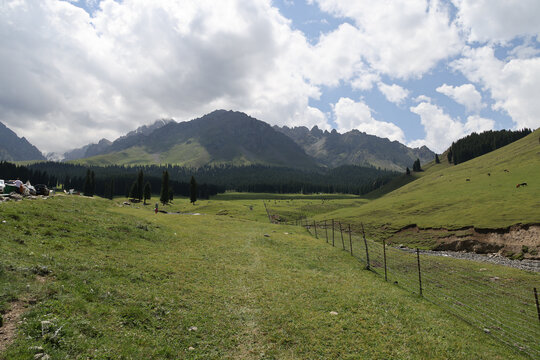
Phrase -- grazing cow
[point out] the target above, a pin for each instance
(522, 184)
(506, 171)
(489, 174)
(467, 179)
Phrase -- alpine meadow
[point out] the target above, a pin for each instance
(272, 179)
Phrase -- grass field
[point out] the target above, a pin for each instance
(481, 192)
(114, 282)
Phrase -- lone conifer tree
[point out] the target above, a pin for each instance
(110, 193)
(408, 172)
(437, 161)
(416, 165)
(133, 192)
(89, 183)
(140, 178)
(164, 195)
(192, 190)
(86, 187)
(147, 192)
(92, 183)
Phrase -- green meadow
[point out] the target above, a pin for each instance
(99, 280)
(481, 192)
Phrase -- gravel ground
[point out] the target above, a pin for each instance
(528, 265)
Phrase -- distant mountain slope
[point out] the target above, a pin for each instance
(14, 148)
(147, 129)
(103, 145)
(87, 150)
(355, 148)
(480, 193)
(219, 137)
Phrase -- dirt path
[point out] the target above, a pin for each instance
(9, 328)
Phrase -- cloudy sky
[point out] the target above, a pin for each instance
(423, 72)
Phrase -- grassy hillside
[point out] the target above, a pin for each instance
(481, 192)
(99, 280)
(132, 156)
(219, 137)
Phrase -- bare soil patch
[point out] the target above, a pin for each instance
(9, 327)
(517, 241)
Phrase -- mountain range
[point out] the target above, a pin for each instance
(230, 137)
(333, 149)
(14, 148)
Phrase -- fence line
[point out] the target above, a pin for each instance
(507, 311)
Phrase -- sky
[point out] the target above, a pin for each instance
(422, 72)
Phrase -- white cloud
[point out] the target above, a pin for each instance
(441, 129)
(393, 93)
(466, 95)
(333, 58)
(66, 72)
(512, 84)
(401, 38)
(478, 124)
(498, 20)
(422, 98)
(351, 115)
(364, 80)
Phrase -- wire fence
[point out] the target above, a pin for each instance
(503, 307)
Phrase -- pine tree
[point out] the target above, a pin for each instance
(140, 178)
(89, 183)
(147, 192)
(164, 195)
(437, 161)
(133, 193)
(110, 192)
(407, 171)
(416, 165)
(450, 154)
(192, 190)
(92, 183)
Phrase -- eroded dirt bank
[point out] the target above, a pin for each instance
(516, 242)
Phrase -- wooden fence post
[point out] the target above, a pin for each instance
(384, 254)
(315, 227)
(350, 239)
(419, 272)
(268, 213)
(326, 231)
(341, 232)
(332, 232)
(365, 244)
(537, 304)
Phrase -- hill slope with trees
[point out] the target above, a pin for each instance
(216, 138)
(480, 193)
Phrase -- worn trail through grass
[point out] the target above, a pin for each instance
(124, 283)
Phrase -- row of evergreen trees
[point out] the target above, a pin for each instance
(10, 171)
(475, 145)
(119, 180)
(143, 193)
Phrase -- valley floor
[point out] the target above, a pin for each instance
(100, 280)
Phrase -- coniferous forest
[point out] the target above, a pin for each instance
(475, 145)
(118, 180)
